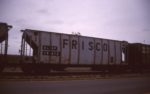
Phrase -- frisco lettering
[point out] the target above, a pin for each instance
(91, 45)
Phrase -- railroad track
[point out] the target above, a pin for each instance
(49, 74)
(52, 75)
(65, 76)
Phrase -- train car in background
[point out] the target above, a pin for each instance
(139, 56)
(4, 28)
(56, 51)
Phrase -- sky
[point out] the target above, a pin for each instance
(127, 20)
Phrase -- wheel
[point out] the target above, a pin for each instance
(27, 69)
(60, 68)
(39, 69)
(1, 68)
(95, 69)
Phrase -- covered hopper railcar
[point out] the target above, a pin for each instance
(56, 51)
(4, 28)
(139, 56)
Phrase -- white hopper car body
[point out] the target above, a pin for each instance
(68, 49)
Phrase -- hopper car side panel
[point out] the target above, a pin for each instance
(105, 53)
(98, 51)
(86, 50)
(55, 44)
(65, 49)
(45, 43)
(74, 47)
(112, 56)
(118, 52)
